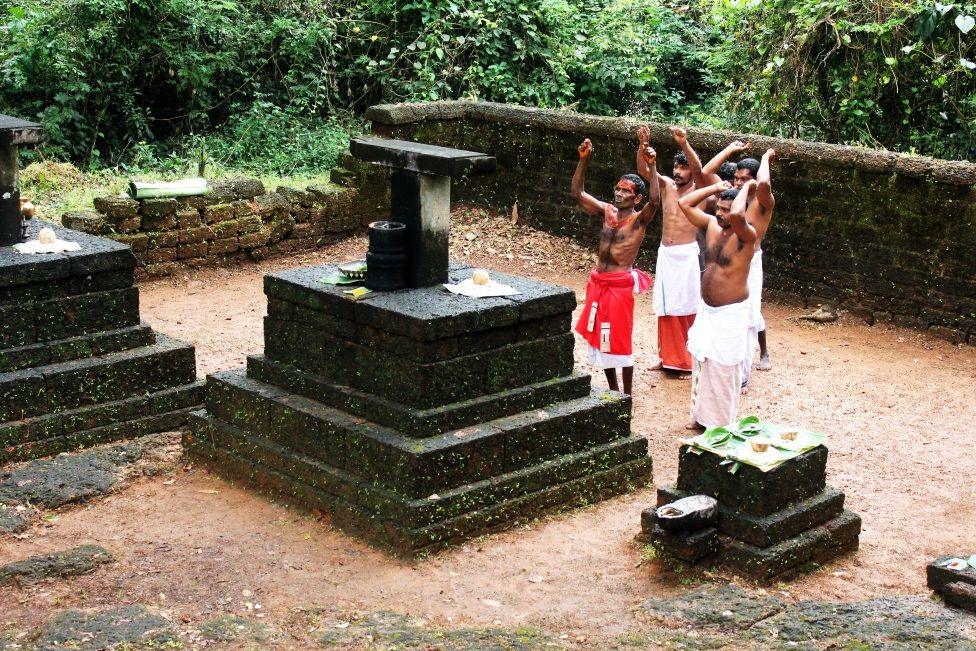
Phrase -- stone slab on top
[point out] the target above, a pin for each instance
(97, 254)
(16, 132)
(421, 158)
(422, 313)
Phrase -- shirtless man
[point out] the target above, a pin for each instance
(677, 280)
(745, 170)
(607, 320)
(717, 340)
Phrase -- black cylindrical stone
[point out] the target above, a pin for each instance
(386, 259)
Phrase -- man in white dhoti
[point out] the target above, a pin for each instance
(717, 341)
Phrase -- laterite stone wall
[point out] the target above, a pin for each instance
(235, 220)
(887, 236)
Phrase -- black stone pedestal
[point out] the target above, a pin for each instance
(956, 587)
(771, 524)
(77, 367)
(418, 418)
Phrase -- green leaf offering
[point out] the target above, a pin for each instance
(717, 436)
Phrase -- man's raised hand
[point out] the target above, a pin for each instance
(643, 134)
(770, 154)
(721, 186)
(680, 135)
(737, 146)
(648, 154)
(585, 149)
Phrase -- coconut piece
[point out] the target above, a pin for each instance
(47, 236)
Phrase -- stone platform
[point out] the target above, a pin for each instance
(77, 367)
(956, 587)
(418, 418)
(771, 524)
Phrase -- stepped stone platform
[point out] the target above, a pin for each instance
(77, 367)
(771, 524)
(956, 587)
(418, 418)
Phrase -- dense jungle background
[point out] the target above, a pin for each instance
(276, 86)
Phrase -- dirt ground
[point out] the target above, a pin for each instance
(897, 405)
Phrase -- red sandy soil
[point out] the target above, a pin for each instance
(898, 407)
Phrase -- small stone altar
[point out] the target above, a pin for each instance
(77, 367)
(418, 418)
(956, 586)
(770, 525)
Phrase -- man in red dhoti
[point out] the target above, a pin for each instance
(607, 321)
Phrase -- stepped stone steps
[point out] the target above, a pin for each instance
(100, 281)
(767, 530)
(159, 411)
(22, 324)
(416, 467)
(312, 323)
(413, 422)
(37, 430)
(63, 350)
(420, 385)
(409, 525)
(68, 385)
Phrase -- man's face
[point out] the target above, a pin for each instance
(742, 176)
(625, 194)
(723, 213)
(681, 174)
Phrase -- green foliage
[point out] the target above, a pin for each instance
(890, 73)
(107, 76)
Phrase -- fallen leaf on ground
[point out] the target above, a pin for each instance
(491, 602)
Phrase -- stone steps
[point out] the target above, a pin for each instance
(63, 350)
(416, 467)
(417, 423)
(406, 525)
(64, 386)
(142, 414)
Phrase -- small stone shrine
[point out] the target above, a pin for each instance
(770, 524)
(77, 367)
(418, 417)
(954, 579)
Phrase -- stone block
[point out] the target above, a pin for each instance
(158, 207)
(252, 240)
(194, 235)
(750, 490)
(159, 222)
(961, 595)
(99, 343)
(222, 246)
(775, 528)
(217, 213)
(187, 219)
(223, 230)
(939, 577)
(117, 208)
(194, 250)
(249, 224)
(86, 313)
(127, 225)
(820, 544)
(156, 256)
(85, 221)
(245, 188)
(195, 203)
(690, 548)
(138, 242)
(163, 239)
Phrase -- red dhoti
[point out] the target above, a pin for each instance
(672, 341)
(607, 320)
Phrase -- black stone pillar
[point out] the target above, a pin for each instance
(420, 197)
(13, 132)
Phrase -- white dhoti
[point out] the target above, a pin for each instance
(677, 280)
(756, 321)
(718, 344)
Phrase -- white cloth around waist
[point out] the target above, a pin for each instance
(677, 280)
(755, 283)
(719, 333)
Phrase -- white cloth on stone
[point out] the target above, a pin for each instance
(677, 280)
(57, 246)
(467, 287)
(719, 333)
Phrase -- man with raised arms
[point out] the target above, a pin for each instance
(607, 319)
(717, 340)
(745, 170)
(677, 280)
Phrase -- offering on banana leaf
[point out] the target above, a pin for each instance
(756, 443)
